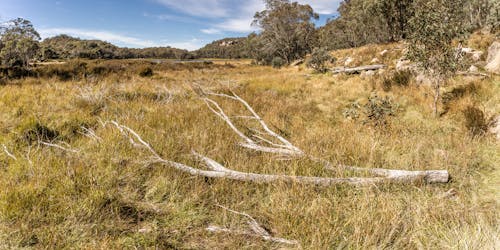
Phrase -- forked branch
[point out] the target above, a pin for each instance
(285, 148)
(216, 170)
(255, 230)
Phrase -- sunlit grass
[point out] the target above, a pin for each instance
(110, 196)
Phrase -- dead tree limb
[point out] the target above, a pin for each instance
(358, 70)
(284, 147)
(9, 154)
(256, 230)
(257, 142)
(219, 171)
(58, 147)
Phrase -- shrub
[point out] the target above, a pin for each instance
(34, 131)
(400, 78)
(378, 109)
(146, 72)
(320, 57)
(278, 62)
(475, 121)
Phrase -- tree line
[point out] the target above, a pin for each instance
(287, 32)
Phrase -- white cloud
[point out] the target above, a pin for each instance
(236, 15)
(204, 8)
(190, 45)
(211, 31)
(324, 7)
(118, 39)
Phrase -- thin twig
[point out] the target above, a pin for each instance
(9, 154)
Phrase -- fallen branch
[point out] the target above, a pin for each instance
(58, 147)
(219, 171)
(358, 70)
(258, 142)
(9, 154)
(256, 230)
(284, 147)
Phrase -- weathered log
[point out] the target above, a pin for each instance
(358, 70)
(287, 149)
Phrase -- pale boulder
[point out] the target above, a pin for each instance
(493, 61)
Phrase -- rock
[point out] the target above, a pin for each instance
(493, 61)
(383, 53)
(367, 74)
(348, 61)
(476, 56)
(473, 69)
(402, 64)
(467, 50)
(423, 79)
(375, 60)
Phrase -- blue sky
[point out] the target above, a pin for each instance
(187, 24)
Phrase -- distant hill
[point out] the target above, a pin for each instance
(67, 47)
(230, 48)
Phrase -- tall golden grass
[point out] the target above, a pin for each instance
(110, 196)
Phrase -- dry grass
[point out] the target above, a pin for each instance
(109, 196)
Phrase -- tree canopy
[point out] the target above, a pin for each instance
(287, 30)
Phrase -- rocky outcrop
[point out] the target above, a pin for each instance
(493, 61)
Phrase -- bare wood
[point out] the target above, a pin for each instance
(288, 149)
(259, 143)
(9, 154)
(256, 230)
(358, 70)
(58, 147)
(218, 171)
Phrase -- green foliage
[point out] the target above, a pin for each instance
(475, 121)
(67, 47)
(378, 110)
(19, 43)
(320, 57)
(432, 33)
(287, 30)
(277, 62)
(229, 48)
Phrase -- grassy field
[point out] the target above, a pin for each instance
(108, 195)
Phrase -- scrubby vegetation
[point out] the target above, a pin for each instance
(100, 151)
(101, 192)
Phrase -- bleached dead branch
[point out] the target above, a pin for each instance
(90, 133)
(257, 141)
(58, 147)
(284, 147)
(219, 171)
(256, 230)
(9, 154)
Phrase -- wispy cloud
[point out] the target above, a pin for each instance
(119, 39)
(211, 31)
(236, 15)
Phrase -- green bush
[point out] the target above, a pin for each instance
(378, 110)
(277, 62)
(320, 57)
